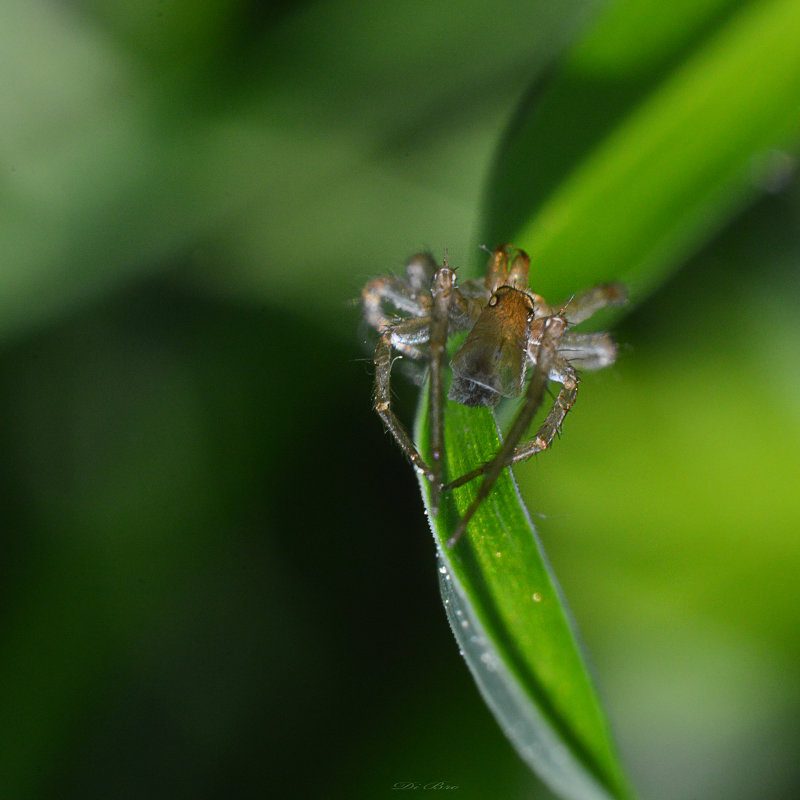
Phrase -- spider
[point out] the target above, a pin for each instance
(513, 335)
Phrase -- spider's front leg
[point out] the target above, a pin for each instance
(435, 306)
(405, 336)
(410, 295)
(443, 291)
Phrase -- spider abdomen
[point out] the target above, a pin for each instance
(490, 364)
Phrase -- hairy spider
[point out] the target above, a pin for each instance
(514, 335)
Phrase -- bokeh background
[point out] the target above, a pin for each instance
(217, 578)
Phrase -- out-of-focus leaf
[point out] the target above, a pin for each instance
(694, 111)
(134, 140)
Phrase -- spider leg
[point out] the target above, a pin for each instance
(554, 328)
(554, 419)
(404, 336)
(443, 290)
(588, 351)
(582, 306)
(411, 296)
(564, 374)
(438, 307)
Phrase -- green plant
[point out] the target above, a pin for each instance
(696, 116)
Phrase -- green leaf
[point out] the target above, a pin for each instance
(512, 623)
(650, 137)
(660, 125)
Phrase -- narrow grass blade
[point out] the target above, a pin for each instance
(513, 625)
(648, 138)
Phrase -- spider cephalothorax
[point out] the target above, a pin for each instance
(514, 336)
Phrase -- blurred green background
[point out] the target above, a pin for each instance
(217, 578)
